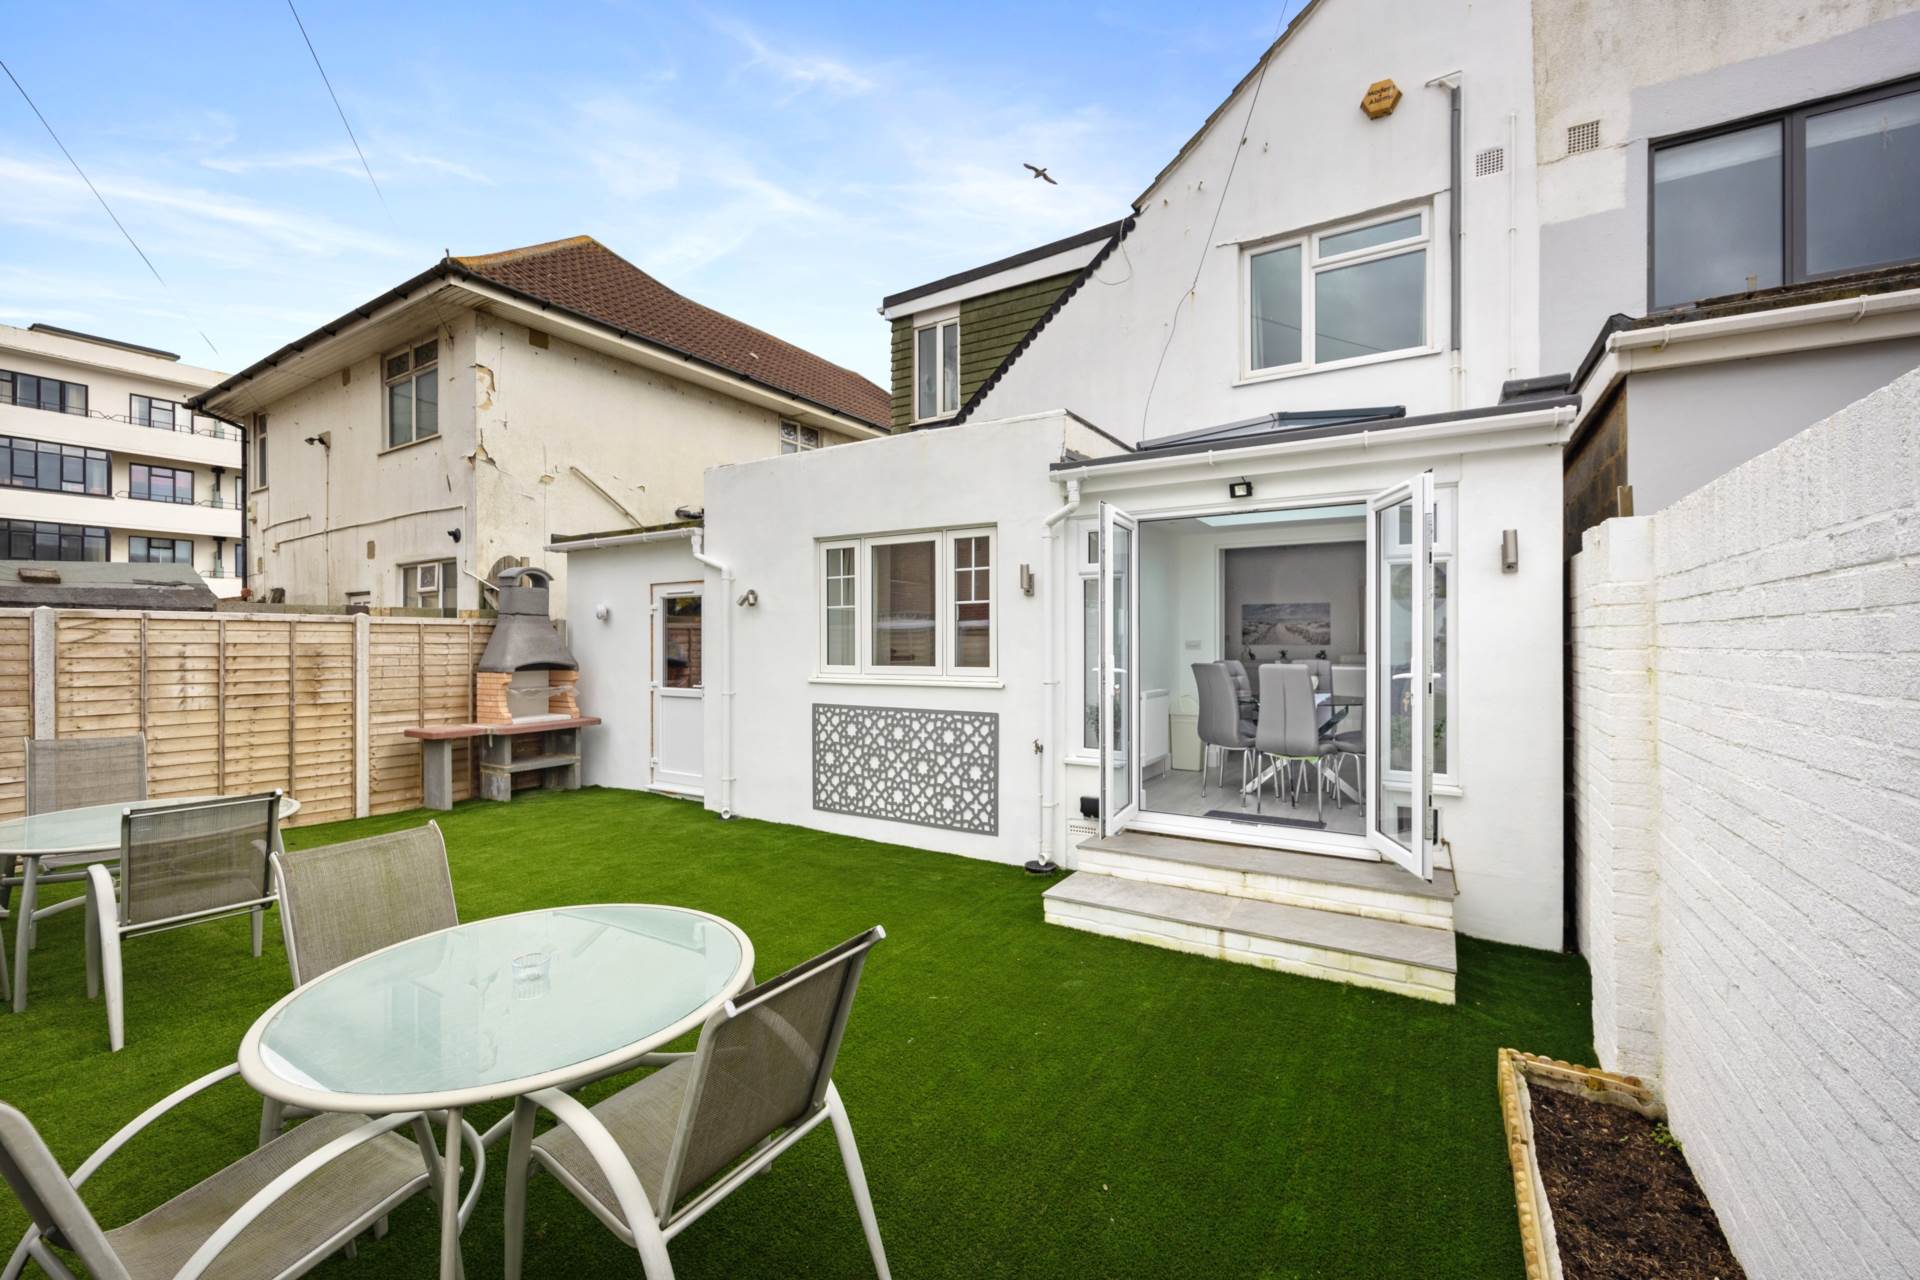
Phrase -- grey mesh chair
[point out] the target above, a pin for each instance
(180, 864)
(1289, 729)
(1220, 724)
(654, 1157)
(280, 1211)
(72, 773)
(339, 902)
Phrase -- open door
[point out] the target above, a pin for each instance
(1401, 823)
(1119, 676)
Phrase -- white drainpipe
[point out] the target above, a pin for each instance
(726, 670)
(1049, 783)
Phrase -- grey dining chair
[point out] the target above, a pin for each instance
(180, 864)
(1220, 723)
(72, 773)
(651, 1159)
(279, 1211)
(1289, 729)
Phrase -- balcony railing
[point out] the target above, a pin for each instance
(194, 424)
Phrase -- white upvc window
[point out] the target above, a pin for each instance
(910, 605)
(1339, 295)
(428, 586)
(936, 365)
(413, 393)
(795, 438)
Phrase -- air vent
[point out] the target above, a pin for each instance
(1492, 160)
(1583, 137)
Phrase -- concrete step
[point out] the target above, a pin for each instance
(1407, 959)
(1350, 886)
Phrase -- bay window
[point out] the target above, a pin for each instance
(1346, 293)
(916, 604)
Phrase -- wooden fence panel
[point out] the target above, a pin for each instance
(321, 718)
(16, 711)
(419, 671)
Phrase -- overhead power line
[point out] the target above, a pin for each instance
(96, 194)
(337, 107)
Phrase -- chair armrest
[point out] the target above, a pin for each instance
(635, 1207)
(106, 1149)
(264, 1198)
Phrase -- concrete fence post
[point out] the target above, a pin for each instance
(362, 758)
(44, 662)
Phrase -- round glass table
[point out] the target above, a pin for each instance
(72, 838)
(491, 1010)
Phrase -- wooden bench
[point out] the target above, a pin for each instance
(557, 760)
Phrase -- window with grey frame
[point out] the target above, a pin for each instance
(163, 415)
(159, 484)
(32, 391)
(45, 540)
(54, 468)
(159, 550)
(1822, 190)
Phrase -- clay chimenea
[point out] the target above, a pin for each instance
(526, 673)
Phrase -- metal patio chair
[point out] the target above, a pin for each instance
(279, 1211)
(339, 902)
(180, 864)
(653, 1158)
(73, 773)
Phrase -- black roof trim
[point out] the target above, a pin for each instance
(447, 269)
(1326, 432)
(1292, 418)
(1547, 384)
(1046, 317)
(1003, 264)
(40, 327)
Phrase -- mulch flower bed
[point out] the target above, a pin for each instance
(1625, 1204)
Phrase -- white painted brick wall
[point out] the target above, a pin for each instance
(1750, 871)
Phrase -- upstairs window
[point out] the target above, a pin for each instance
(259, 480)
(936, 368)
(55, 468)
(413, 394)
(41, 540)
(795, 438)
(30, 391)
(1818, 191)
(1347, 293)
(159, 550)
(159, 484)
(161, 414)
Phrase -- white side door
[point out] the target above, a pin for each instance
(1119, 674)
(678, 717)
(1400, 533)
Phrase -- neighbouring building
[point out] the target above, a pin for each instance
(403, 452)
(95, 584)
(101, 458)
(951, 334)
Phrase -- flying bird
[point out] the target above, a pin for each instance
(1042, 174)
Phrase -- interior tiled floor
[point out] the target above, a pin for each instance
(1178, 791)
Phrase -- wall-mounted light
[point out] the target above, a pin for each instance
(1026, 579)
(749, 599)
(602, 612)
(1510, 551)
(454, 534)
(324, 440)
(1239, 489)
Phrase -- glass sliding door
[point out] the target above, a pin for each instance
(1119, 676)
(1400, 534)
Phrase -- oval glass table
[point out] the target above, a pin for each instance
(70, 838)
(488, 1011)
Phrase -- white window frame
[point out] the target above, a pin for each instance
(1086, 569)
(942, 670)
(411, 379)
(938, 321)
(794, 437)
(258, 480)
(446, 579)
(1312, 264)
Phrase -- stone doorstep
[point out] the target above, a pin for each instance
(1327, 966)
(1340, 943)
(1431, 913)
(1320, 876)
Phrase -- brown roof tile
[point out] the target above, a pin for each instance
(583, 276)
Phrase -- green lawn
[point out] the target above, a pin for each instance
(1030, 1101)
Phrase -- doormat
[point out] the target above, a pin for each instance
(1232, 815)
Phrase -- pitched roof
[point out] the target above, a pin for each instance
(582, 275)
(1104, 231)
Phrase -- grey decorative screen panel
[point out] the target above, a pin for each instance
(932, 768)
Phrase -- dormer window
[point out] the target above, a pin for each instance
(936, 366)
(413, 393)
(1344, 294)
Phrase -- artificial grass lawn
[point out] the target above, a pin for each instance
(1029, 1101)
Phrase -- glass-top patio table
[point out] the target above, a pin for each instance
(72, 838)
(491, 1010)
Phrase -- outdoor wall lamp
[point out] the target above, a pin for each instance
(602, 612)
(1510, 551)
(1026, 579)
(750, 599)
(1240, 489)
(324, 440)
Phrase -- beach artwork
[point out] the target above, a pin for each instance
(1286, 625)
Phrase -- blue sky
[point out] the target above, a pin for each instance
(788, 165)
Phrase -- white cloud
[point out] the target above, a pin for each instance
(800, 71)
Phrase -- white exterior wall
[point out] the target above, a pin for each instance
(1312, 157)
(616, 653)
(1647, 69)
(113, 376)
(1783, 808)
